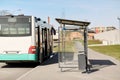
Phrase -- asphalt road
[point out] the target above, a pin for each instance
(14, 71)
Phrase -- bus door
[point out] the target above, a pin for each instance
(38, 44)
(48, 42)
(44, 42)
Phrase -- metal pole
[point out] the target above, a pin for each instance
(119, 29)
(86, 47)
(59, 49)
(63, 41)
(59, 46)
(63, 37)
(119, 22)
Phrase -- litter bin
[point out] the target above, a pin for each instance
(81, 62)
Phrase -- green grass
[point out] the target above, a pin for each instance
(90, 42)
(69, 47)
(112, 50)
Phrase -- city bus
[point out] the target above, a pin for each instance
(24, 39)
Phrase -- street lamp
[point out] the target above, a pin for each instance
(119, 22)
(119, 29)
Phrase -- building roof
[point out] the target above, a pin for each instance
(72, 22)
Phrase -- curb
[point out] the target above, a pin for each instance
(24, 75)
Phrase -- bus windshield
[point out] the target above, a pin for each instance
(15, 28)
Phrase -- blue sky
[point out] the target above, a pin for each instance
(98, 12)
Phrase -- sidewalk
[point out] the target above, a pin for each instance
(104, 68)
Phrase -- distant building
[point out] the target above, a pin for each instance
(91, 34)
(109, 37)
(102, 29)
(80, 35)
(75, 35)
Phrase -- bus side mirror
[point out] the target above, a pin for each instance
(38, 19)
(44, 22)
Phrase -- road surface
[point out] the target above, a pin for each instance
(12, 72)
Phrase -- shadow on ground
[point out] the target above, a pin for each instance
(52, 60)
(99, 64)
(20, 65)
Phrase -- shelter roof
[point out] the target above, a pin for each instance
(72, 22)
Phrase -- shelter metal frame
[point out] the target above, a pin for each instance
(83, 25)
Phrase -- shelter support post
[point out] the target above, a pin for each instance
(86, 47)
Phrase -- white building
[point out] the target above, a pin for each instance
(109, 37)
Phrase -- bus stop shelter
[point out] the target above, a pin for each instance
(81, 26)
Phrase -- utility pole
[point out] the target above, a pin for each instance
(63, 13)
(119, 22)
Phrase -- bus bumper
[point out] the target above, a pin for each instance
(17, 57)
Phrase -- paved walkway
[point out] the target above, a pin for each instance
(104, 68)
